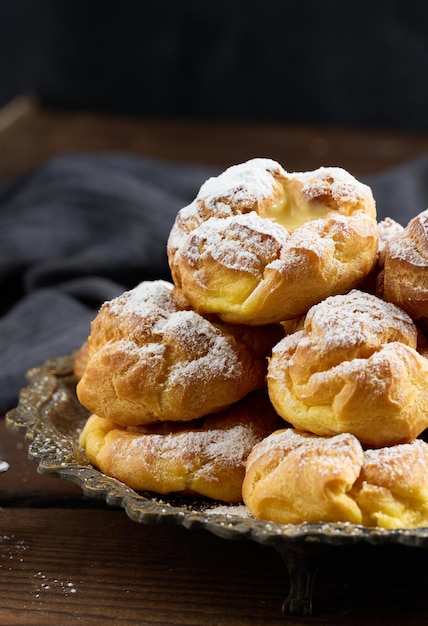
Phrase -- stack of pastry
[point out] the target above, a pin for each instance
(177, 399)
(280, 367)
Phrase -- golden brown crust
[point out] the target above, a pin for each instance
(353, 368)
(151, 360)
(260, 245)
(205, 458)
(392, 489)
(388, 230)
(405, 269)
(80, 360)
(294, 477)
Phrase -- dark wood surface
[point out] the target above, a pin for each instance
(67, 559)
(29, 136)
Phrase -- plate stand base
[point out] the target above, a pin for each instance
(302, 562)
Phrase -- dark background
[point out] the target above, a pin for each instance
(359, 63)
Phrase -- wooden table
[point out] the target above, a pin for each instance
(29, 136)
(68, 559)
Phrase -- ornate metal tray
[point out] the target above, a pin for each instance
(50, 416)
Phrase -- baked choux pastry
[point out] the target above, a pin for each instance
(392, 489)
(353, 368)
(260, 245)
(294, 477)
(151, 360)
(404, 279)
(205, 458)
(388, 229)
(80, 360)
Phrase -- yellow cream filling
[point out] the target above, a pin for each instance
(291, 210)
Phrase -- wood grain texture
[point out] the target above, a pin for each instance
(96, 566)
(35, 135)
(22, 485)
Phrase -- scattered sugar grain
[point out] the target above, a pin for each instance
(237, 510)
(45, 584)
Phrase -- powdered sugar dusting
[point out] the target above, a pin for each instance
(237, 510)
(406, 249)
(208, 450)
(283, 442)
(202, 349)
(145, 297)
(339, 183)
(396, 462)
(167, 362)
(242, 242)
(232, 446)
(211, 351)
(388, 229)
(411, 244)
(357, 318)
(242, 184)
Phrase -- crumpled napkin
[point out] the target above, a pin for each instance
(80, 229)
